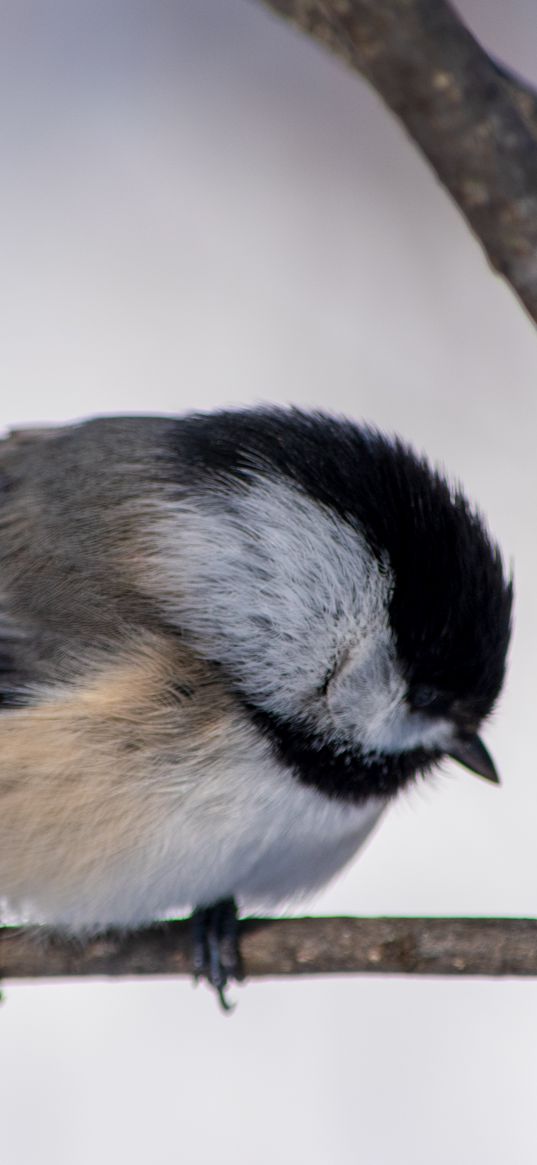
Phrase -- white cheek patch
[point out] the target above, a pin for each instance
(273, 585)
(365, 694)
(282, 592)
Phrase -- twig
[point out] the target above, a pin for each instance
(521, 93)
(292, 946)
(474, 121)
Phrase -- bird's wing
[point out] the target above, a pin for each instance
(15, 661)
(68, 500)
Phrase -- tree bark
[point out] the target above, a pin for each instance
(292, 946)
(473, 120)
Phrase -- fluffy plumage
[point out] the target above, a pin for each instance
(225, 642)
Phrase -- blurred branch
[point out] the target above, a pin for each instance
(474, 120)
(521, 93)
(291, 946)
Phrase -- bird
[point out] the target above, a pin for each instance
(227, 641)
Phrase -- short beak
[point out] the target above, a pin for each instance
(471, 752)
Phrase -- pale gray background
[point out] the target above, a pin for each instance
(199, 207)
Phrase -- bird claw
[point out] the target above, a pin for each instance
(215, 947)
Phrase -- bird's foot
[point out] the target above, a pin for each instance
(215, 947)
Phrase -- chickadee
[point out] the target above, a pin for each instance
(226, 642)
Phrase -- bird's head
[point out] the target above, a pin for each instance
(353, 598)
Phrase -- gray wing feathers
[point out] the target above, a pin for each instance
(68, 519)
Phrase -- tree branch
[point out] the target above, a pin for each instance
(521, 93)
(292, 946)
(473, 120)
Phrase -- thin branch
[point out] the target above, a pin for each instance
(473, 120)
(292, 946)
(521, 93)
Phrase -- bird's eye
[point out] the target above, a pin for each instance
(423, 698)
